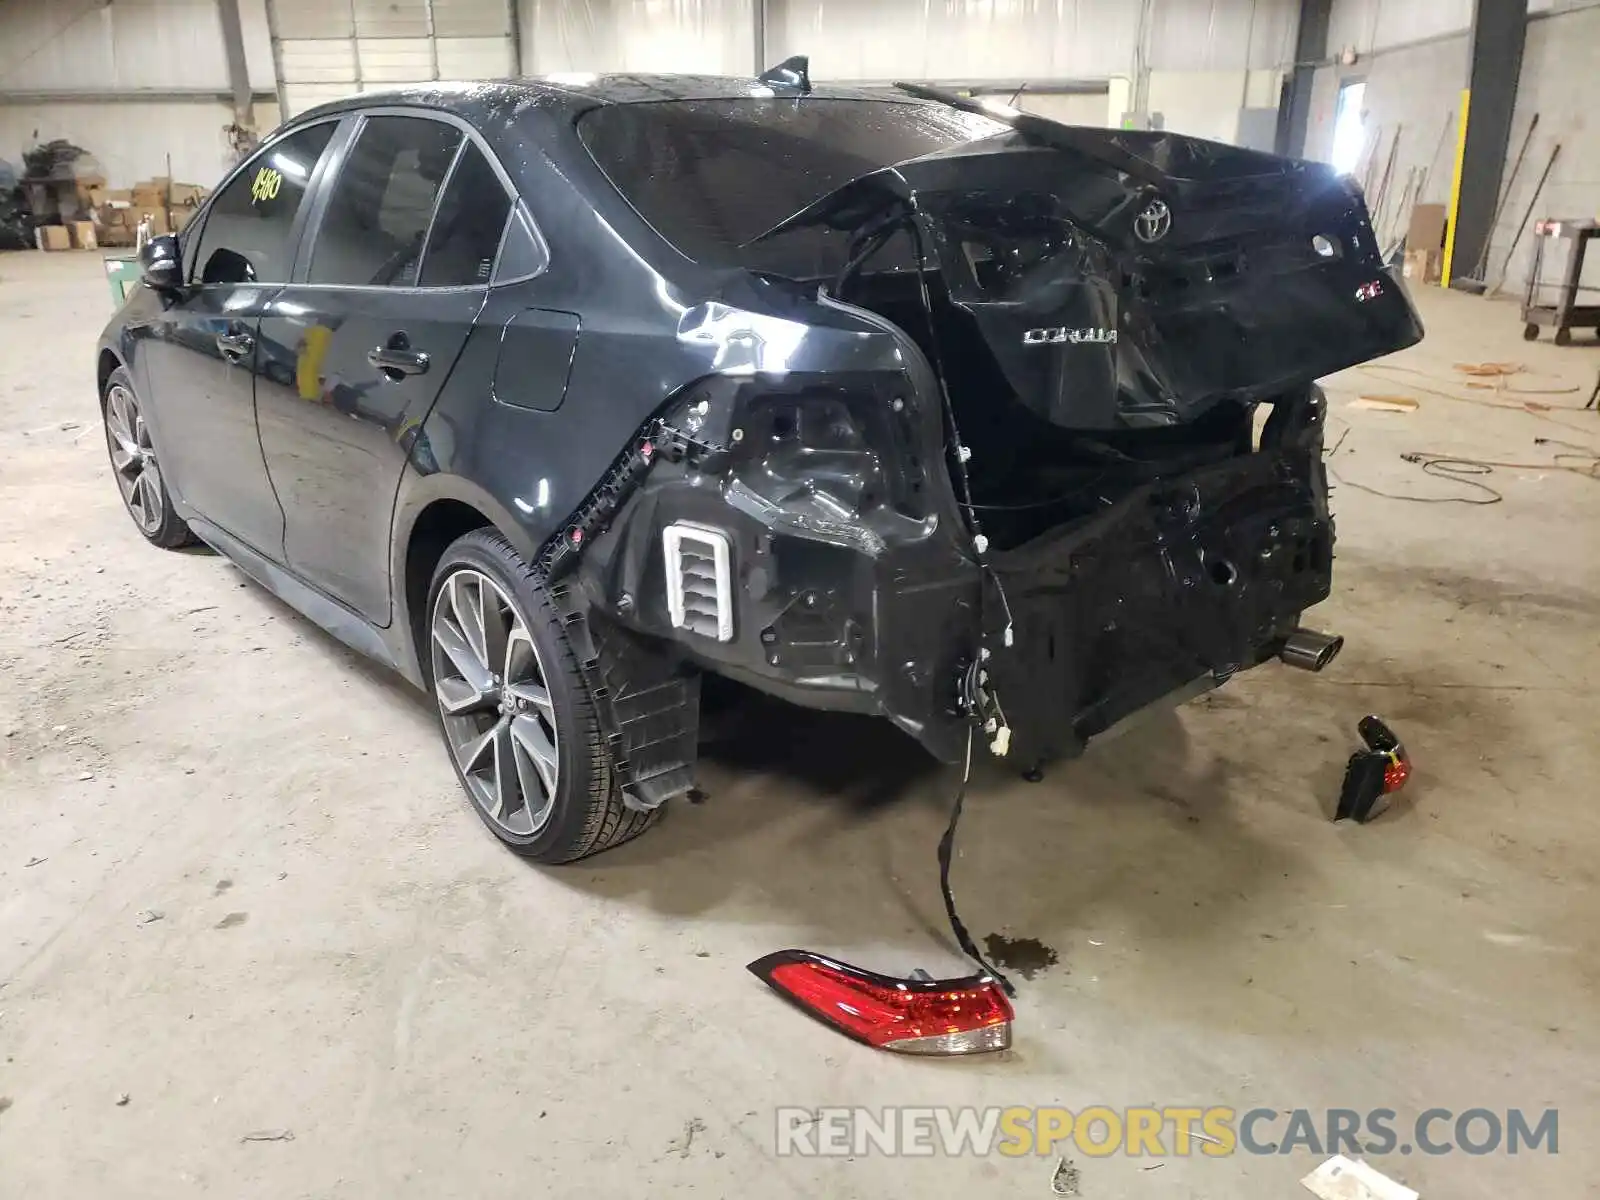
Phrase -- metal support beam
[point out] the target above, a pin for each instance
(514, 31)
(277, 60)
(124, 96)
(1499, 31)
(758, 21)
(1310, 48)
(244, 110)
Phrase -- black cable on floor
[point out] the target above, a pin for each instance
(947, 846)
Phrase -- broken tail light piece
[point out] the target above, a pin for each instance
(915, 1015)
(918, 1015)
(1373, 774)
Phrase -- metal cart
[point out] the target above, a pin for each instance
(122, 272)
(1566, 311)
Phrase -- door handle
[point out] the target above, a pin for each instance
(235, 346)
(397, 364)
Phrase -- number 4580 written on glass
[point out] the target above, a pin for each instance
(266, 184)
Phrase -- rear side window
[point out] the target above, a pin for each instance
(246, 234)
(467, 230)
(710, 175)
(382, 201)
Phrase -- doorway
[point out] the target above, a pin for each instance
(1349, 126)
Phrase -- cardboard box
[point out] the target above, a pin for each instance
(53, 237)
(1427, 228)
(83, 236)
(113, 235)
(181, 217)
(1424, 266)
(186, 195)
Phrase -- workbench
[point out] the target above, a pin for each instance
(1565, 312)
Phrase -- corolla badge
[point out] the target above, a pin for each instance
(1154, 222)
(1058, 334)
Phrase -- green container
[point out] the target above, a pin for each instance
(122, 272)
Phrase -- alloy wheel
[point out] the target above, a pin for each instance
(494, 699)
(134, 459)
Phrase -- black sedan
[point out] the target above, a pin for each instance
(554, 397)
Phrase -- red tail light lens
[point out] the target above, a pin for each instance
(1396, 773)
(913, 1016)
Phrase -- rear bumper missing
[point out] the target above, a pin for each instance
(1185, 582)
(1178, 585)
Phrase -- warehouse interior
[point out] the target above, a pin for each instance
(252, 945)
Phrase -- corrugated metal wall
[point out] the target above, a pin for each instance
(1369, 25)
(715, 37)
(167, 45)
(332, 48)
(133, 82)
(876, 40)
(1195, 56)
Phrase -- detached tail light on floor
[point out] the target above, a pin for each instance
(1373, 774)
(913, 1016)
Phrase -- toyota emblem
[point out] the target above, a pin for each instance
(1152, 224)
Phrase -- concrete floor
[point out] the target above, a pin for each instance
(343, 952)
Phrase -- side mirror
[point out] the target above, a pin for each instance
(161, 264)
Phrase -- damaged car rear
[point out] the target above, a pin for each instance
(1024, 431)
(874, 400)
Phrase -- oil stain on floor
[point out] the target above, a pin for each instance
(1026, 956)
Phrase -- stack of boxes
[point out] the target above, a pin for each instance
(111, 216)
(1425, 243)
(67, 199)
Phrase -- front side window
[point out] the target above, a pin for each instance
(466, 233)
(383, 199)
(246, 237)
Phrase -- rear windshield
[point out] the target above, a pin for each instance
(711, 175)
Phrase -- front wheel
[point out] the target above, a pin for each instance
(517, 717)
(138, 473)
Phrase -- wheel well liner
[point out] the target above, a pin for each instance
(436, 526)
(108, 363)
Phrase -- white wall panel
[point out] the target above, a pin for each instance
(471, 18)
(475, 58)
(333, 48)
(1206, 103)
(1371, 25)
(395, 60)
(1020, 39)
(390, 18)
(312, 18)
(1214, 35)
(1070, 109)
(83, 44)
(301, 96)
(705, 36)
(319, 60)
(956, 39)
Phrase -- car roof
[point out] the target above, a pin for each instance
(575, 92)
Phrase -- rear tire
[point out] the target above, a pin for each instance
(134, 464)
(517, 718)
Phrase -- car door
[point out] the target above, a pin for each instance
(200, 356)
(400, 257)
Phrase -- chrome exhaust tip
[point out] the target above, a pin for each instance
(1309, 650)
